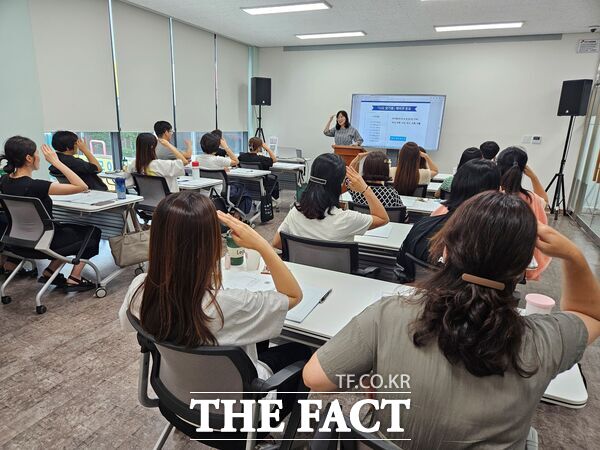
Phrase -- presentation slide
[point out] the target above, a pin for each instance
(389, 121)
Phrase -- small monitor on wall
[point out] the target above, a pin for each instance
(391, 120)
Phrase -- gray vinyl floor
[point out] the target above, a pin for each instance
(68, 378)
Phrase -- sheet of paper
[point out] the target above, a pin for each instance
(381, 232)
(311, 296)
(87, 198)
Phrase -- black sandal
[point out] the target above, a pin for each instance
(23, 273)
(60, 279)
(81, 286)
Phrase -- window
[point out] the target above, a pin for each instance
(237, 140)
(100, 144)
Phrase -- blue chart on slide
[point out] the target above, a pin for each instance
(389, 121)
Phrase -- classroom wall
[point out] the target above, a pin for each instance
(21, 110)
(498, 91)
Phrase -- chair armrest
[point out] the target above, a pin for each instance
(277, 379)
(367, 271)
(402, 276)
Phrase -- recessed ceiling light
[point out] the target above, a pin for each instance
(331, 35)
(483, 26)
(295, 7)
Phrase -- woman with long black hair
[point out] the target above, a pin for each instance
(343, 133)
(477, 367)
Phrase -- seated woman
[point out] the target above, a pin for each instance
(23, 158)
(317, 215)
(408, 175)
(467, 155)
(375, 172)
(475, 176)
(181, 299)
(146, 162)
(477, 367)
(254, 155)
(512, 162)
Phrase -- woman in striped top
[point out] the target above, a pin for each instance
(343, 133)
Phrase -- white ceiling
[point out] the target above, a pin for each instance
(382, 20)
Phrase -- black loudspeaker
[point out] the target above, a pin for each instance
(261, 91)
(574, 97)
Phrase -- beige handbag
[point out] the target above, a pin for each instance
(130, 248)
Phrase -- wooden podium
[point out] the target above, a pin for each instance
(348, 152)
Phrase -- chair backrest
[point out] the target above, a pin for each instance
(208, 372)
(396, 214)
(420, 191)
(215, 174)
(338, 256)
(29, 224)
(250, 165)
(152, 188)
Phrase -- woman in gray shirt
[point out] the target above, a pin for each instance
(343, 133)
(477, 367)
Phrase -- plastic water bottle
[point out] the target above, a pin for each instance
(195, 170)
(120, 187)
(236, 253)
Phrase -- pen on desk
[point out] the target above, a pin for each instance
(325, 296)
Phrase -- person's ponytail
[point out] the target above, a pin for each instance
(512, 162)
(16, 150)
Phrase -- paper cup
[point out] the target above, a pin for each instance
(252, 260)
(538, 304)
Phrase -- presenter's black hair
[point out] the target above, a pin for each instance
(345, 114)
(161, 127)
(512, 162)
(319, 199)
(489, 149)
(469, 154)
(473, 177)
(16, 151)
(64, 140)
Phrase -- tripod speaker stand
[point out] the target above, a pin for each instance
(259, 131)
(559, 192)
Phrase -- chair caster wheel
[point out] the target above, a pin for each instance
(253, 225)
(138, 271)
(6, 300)
(40, 309)
(100, 292)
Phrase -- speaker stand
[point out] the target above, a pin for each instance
(259, 131)
(559, 177)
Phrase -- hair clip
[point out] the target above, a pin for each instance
(317, 180)
(485, 282)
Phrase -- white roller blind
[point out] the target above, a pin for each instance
(73, 56)
(144, 67)
(232, 74)
(195, 78)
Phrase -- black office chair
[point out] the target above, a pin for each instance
(29, 234)
(220, 174)
(337, 256)
(420, 191)
(347, 440)
(260, 192)
(180, 374)
(250, 165)
(153, 189)
(396, 214)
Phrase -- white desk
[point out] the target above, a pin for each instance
(188, 183)
(248, 173)
(287, 166)
(93, 201)
(397, 234)
(433, 187)
(350, 295)
(413, 204)
(440, 177)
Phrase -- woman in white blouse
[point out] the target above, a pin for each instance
(146, 162)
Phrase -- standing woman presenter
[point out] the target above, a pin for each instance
(343, 133)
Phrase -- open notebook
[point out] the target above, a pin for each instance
(257, 282)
